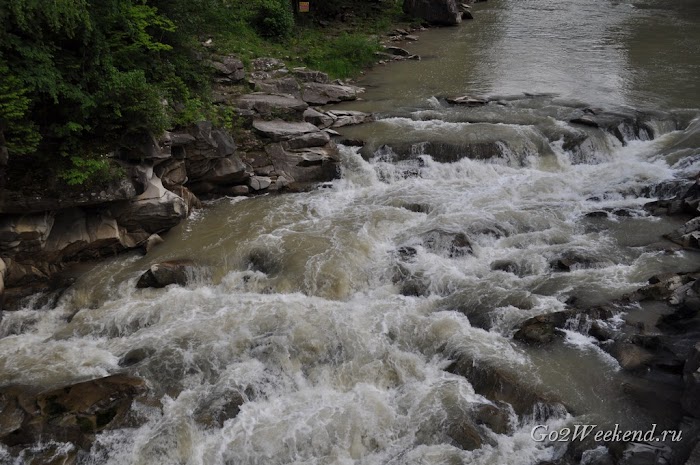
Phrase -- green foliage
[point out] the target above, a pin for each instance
(344, 55)
(89, 170)
(274, 19)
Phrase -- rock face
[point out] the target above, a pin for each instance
(73, 413)
(439, 12)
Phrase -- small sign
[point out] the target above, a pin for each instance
(304, 7)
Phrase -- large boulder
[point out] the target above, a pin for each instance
(228, 69)
(440, 12)
(144, 146)
(163, 274)
(205, 142)
(73, 413)
(306, 166)
(284, 86)
(154, 211)
(24, 234)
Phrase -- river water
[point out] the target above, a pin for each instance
(337, 314)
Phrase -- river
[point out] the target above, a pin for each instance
(337, 314)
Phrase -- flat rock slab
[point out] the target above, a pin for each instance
(321, 94)
(264, 103)
(281, 130)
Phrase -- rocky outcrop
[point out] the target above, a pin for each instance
(73, 413)
(439, 12)
(320, 94)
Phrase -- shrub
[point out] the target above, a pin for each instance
(275, 19)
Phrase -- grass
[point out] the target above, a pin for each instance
(341, 49)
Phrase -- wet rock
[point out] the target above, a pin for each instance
(440, 12)
(191, 200)
(646, 454)
(24, 234)
(538, 330)
(467, 100)
(499, 384)
(278, 130)
(509, 266)
(136, 356)
(631, 357)
(162, 274)
(397, 51)
(495, 417)
(152, 241)
(214, 413)
(348, 117)
(543, 329)
(305, 166)
(264, 261)
(321, 94)
(268, 105)
(407, 253)
(74, 413)
(573, 260)
(455, 245)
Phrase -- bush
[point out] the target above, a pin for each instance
(344, 55)
(275, 19)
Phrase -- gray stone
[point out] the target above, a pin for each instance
(258, 183)
(321, 94)
(317, 118)
(268, 104)
(398, 51)
(287, 86)
(312, 139)
(152, 241)
(172, 173)
(346, 118)
(278, 130)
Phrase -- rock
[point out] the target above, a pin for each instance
(172, 173)
(345, 118)
(317, 118)
(410, 37)
(236, 190)
(152, 241)
(259, 183)
(631, 357)
(306, 166)
(74, 413)
(538, 330)
(509, 266)
(494, 416)
(307, 75)
(278, 130)
(229, 69)
(162, 274)
(466, 14)
(691, 381)
(397, 51)
(209, 143)
(144, 146)
(499, 384)
(135, 356)
(154, 211)
(572, 260)
(287, 86)
(440, 12)
(467, 100)
(225, 171)
(3, 272)
(454, 245)
(24, 234)
(12, 202)
(191, 200)
(646, 454)
(321, 94)
(312, 139)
